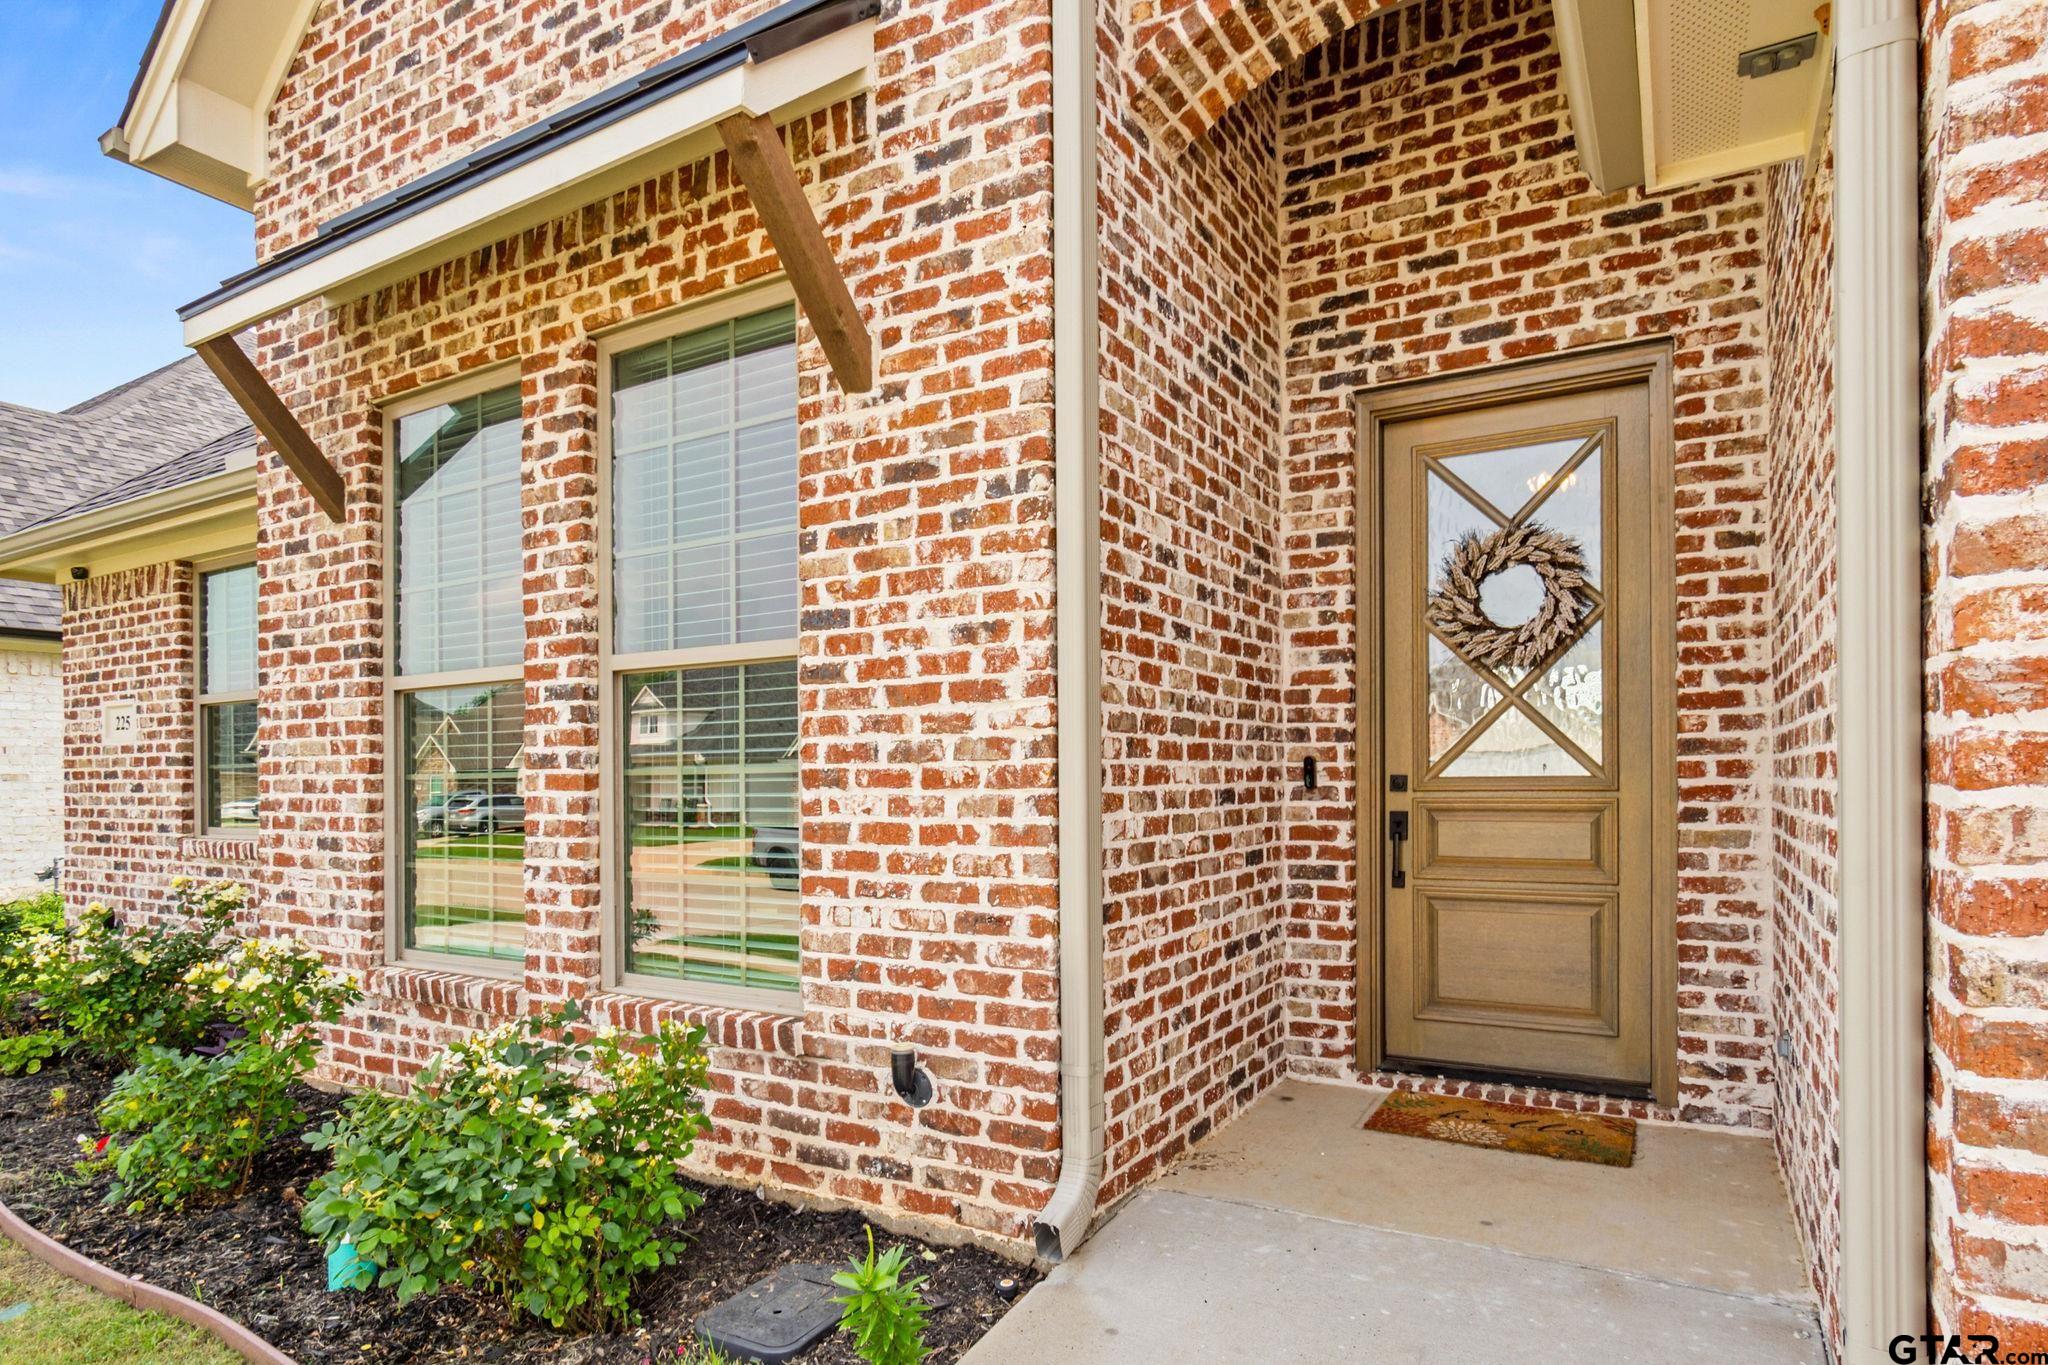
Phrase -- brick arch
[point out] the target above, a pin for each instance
(1195, 59)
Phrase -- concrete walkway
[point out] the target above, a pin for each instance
(1220, 1260)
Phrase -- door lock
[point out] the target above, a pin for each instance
(1397, 835)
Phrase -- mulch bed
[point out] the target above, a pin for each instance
(251, 1261)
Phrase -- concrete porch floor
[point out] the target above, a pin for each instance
(1294, 1235)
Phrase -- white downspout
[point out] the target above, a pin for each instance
(1879, 704)
(1077, 511)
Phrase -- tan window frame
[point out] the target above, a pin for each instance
(204, 701)
(611, 760)
(397, 686)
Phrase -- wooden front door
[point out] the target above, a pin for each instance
(1524, 709)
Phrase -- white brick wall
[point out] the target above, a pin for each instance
(31, 766)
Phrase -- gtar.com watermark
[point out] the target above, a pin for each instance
(1971, 1350)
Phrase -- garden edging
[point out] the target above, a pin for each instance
(138, 1293)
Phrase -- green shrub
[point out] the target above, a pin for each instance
(113, 992)
(23, 1054)
(27, 928)
(525, 1164)
(884, 1312)
(40, 913)
(185, 1128)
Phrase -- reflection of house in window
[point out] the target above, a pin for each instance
(654, 725)
(482, 739)
(672, 795)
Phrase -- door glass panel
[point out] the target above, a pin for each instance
(1513, 746)
(1451, 518)
(1572, 695)
(1457, 698)
(1509, 478)
(1574, 509)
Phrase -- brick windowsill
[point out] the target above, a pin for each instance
(500, 996)
(217, 848)
(751, 1030)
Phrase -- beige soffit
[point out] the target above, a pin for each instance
(207, 516)
(659, 136)
(1703, 118)
(1658, 98)
(201, 102)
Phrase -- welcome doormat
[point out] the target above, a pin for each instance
(1508, 1128)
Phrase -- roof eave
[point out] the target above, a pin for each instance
(799, 57)
(203, 517)
(209, 134)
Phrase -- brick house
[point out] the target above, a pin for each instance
(1137, 551)
(55, 466)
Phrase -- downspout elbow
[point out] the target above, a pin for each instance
(1063, 1224)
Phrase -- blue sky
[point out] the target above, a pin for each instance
(94, 255)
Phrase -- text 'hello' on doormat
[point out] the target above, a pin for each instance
(1508, 1128)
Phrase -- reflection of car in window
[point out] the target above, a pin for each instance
(432, 818)
(241, 812)
(489, 815)
(775, 852)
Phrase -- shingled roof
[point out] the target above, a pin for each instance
(157, 431)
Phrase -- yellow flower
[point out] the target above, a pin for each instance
(540, 1220)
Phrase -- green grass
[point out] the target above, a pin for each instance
(781, 947)
(665, 836)
(430, 917)
(512, 847)
(507, 847)
(68, 1324)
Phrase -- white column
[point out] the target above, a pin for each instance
(1880, 701)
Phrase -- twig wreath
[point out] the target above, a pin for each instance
(1454, 607)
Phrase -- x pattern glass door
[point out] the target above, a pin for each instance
(1518, 709)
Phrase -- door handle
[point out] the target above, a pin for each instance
(1397, 834)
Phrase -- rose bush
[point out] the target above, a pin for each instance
(526, 1163)
(185, 1127)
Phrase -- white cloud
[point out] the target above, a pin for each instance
(11, 254)
(28, 183)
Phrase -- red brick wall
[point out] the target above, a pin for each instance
(928, 795)
(1194, 59)
(130, 812)
(380, 94)
(1985, 194)
(1435, 219)
(1804, 771)
(1193, 785)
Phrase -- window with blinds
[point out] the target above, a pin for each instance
(703, 667)
(458, 536)
(226, 730)
(457, 697)
(704, 488)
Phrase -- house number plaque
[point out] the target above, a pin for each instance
(118, 724)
